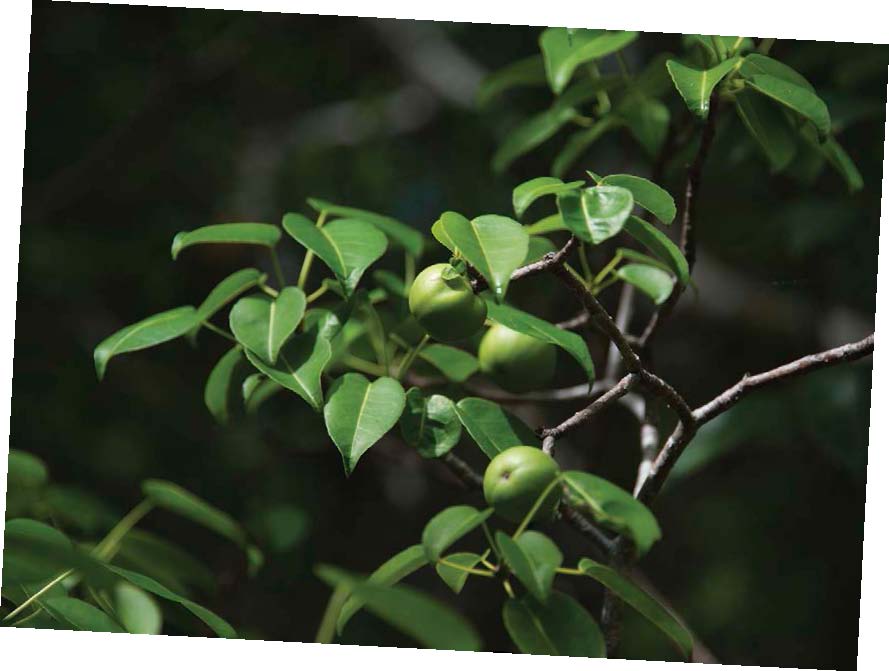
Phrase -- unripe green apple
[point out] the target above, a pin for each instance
(516, 478)
(443, 302)
(515, 361)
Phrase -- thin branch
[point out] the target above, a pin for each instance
(622, 387)
(547, 262)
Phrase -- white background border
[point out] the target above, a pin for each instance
(849, 21)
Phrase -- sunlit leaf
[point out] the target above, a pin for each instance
(493, 428)
(646, 194)
(398, 232)
(299, 366)
(262, 324)
(696, 86)
(524, 195)
(596, 213)
(452, 576)
(430, 423)
(264, 235)
(449, 526)
(759, 64)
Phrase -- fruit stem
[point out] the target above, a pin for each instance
(539, 502)
(307, 261)
(466, 569)
(408, 359)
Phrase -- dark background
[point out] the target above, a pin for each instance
(146, 121)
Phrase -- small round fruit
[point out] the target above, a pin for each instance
(443, 302)
(515, 361)
(516, 478)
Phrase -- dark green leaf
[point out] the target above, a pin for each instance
(410, 611)
(597, 213)
(26, 470)
(533, 561)
(560, 627)
(653, 282)
(358, 413)
(758, 64)
(399, 233)
(299, 366)
(647, 195)
(768, 127)
(795, 97)
(449, 526)
(524, 195)
(526, 72)
(564, 52)
(393, 570)
(454, 577)
(264, 235)
(580, 141)
(218, 387)
(176, 499)
(695, 86)
(614, 508)
(80, 615)
(529, 134)
(149, 332)
(648, 120)
(430, 424)
(843, 163)
(167, 563)
(641, 601)
(455, 364)
(493, 428)
(659, 245)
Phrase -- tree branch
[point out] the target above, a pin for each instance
(622, 387)
(547, 262)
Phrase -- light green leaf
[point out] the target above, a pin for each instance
(347, 246)
(768, 127)
(151, 331)
(410, 611)
(393, 570)
(535, 327)
(696, 86)
(26, 470)
(580, 141)
(80, 615)
(449, 526)
(225, 292)
(219, 626)
(138, 612)
(218, 387)
(398, 232)
(493, 428)
(795, 97)
(180, 501)
(653, 282)
(597, 213)
(561, 626)
(262, 324)
(529, 134)
(455, 364)
(659, 245)
(493, 245)
(533, 561)
(299, 366)
(564, 52)
(646, 194)
(613, 508)
(524, 195)
(547, 225)
(642, 602)
(758, 64)
(439, 233)
(430, 424)
(454, 577)
(526, 72)
(358, 413)
(264, 235)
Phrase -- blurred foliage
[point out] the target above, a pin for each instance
(146, 121)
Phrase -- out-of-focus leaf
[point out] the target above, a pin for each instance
(580, 141)
(547, 225)
(524, 195)
(768, 127)
(529, 134)
(648, 120)
(138, 611)
(653, 282)
(454, 364)
(564, 52)
(561, 626)
(80, 615)
(538, 247)
(526, 72)
(176, 499)
(26, 470)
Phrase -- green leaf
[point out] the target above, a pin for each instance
(154, 330)
(262, 324)
(580, 141)
(256, 390)
(358, 413)
(493, 245)
(696, 86)
(642, 602)
(80, 615)
(455, 364)
(524, 195)
(391, 282)
(535, 327)
(264, 235)
(176, 499)
(218, 387)
(842, 163)
(299, 366)
(347, 246)
(653, 282)
(430, 424)
(410, 611)
(564, 52)
(758, 64)
(34, 552)
(225, 292)
(659, 245)
(647, 195)
(165, 562)
(530, 134)
(393, 570)
(219, 626)
(26, 470)
(614, 508)
(493, 428)
(538, 247)
(449, 526)
(547, 225)
(797, 98)
(648, 120)
(398, 232)
(454, 577)
(561, 626)
(439, 233)
(526, 72)
(533, 559)
(768, 127)
(138, 612)
(597, 213)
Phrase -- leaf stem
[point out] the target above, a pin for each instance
(218, 331)
(39, 593)
(269, 290)
(539, 502)
(410, 270)
(585, 263)
(307, 261)
(607, 269)
(327, 628)
(318, 293)
(107, 547)
(465, 569)
(276, 264)
(409, 358)
(363, 365)
(569, 571)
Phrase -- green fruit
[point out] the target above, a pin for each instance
(516, 478)
(515, 361)
(443, 302)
